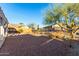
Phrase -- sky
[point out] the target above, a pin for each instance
(24, 12)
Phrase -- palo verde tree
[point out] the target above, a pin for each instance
(52, 16)
(66, 11)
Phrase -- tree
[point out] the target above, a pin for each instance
(70, 14)
(52, 16)
(66, 11)
(21, 24)
(32, 25)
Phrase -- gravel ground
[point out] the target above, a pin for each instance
(28, 45)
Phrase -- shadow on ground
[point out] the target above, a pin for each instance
(28, 45)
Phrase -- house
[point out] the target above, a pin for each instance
(48, 28)
(3, 27)
(55, 27)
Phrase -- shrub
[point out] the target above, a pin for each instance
(20, 30)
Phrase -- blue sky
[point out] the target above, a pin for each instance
(24, 13)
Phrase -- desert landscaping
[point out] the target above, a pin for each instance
(59, 36)
(38, 44)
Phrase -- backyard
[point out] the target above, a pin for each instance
(57, 36)
(29, 45)
(34, 46)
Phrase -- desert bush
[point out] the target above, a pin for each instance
(50, 36)
(20, 30)
(60, 34)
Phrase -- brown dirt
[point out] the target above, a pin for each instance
(28, 45)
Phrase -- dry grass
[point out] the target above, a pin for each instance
(60, 35)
